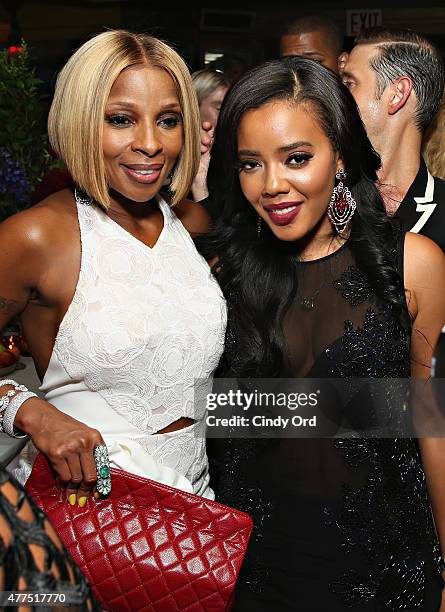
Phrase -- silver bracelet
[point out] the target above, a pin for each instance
(11, 411)
(15, 384)
(5, 399)
(4, 403)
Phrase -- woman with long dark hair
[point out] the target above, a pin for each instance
(320, 284)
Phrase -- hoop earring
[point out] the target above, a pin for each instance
(342, 205)
(258, 226)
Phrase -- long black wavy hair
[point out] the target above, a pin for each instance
(259, 274)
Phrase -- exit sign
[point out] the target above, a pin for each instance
(360, 19)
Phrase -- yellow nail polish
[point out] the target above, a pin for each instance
(82, 501)
(72, 499)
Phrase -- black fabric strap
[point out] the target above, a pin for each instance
(400, 255)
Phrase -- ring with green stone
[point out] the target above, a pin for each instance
(103, 484)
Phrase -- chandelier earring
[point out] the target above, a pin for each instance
(258, 226)
(342, 205)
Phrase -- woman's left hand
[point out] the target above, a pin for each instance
(207, 133)
(199, 187)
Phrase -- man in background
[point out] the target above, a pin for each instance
(314, 37)
(397, 80)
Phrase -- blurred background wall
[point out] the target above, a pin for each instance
(234, 35)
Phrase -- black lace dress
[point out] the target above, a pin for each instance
(340, 524)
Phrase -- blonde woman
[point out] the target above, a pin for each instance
(433, 145)
(120, 311)
(211, 87)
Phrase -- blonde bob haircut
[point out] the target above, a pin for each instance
(76, 117)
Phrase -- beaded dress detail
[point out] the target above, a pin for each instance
(340, 523)
(144, 327)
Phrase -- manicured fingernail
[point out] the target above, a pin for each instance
(96, 495)
(72, 499)
(82, 501)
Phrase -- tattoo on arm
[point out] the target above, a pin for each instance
(8, 305)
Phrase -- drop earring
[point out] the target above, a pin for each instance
(342, 205)
(258, 226)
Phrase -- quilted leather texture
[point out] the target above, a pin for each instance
(149, 546)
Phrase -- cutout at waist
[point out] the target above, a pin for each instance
(181, 423)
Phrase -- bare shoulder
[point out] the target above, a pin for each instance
(424, 260)
(43, 224)
(425, 279)
(193, 216)
(35, 244)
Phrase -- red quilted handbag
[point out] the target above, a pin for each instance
(149, 546)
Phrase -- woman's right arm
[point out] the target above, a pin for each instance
(26, 244)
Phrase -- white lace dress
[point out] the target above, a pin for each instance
(145, 328)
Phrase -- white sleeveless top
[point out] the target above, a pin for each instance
(144, 327)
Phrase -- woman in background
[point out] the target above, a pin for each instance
(433, 145)
(211, 86)
(314, 274)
